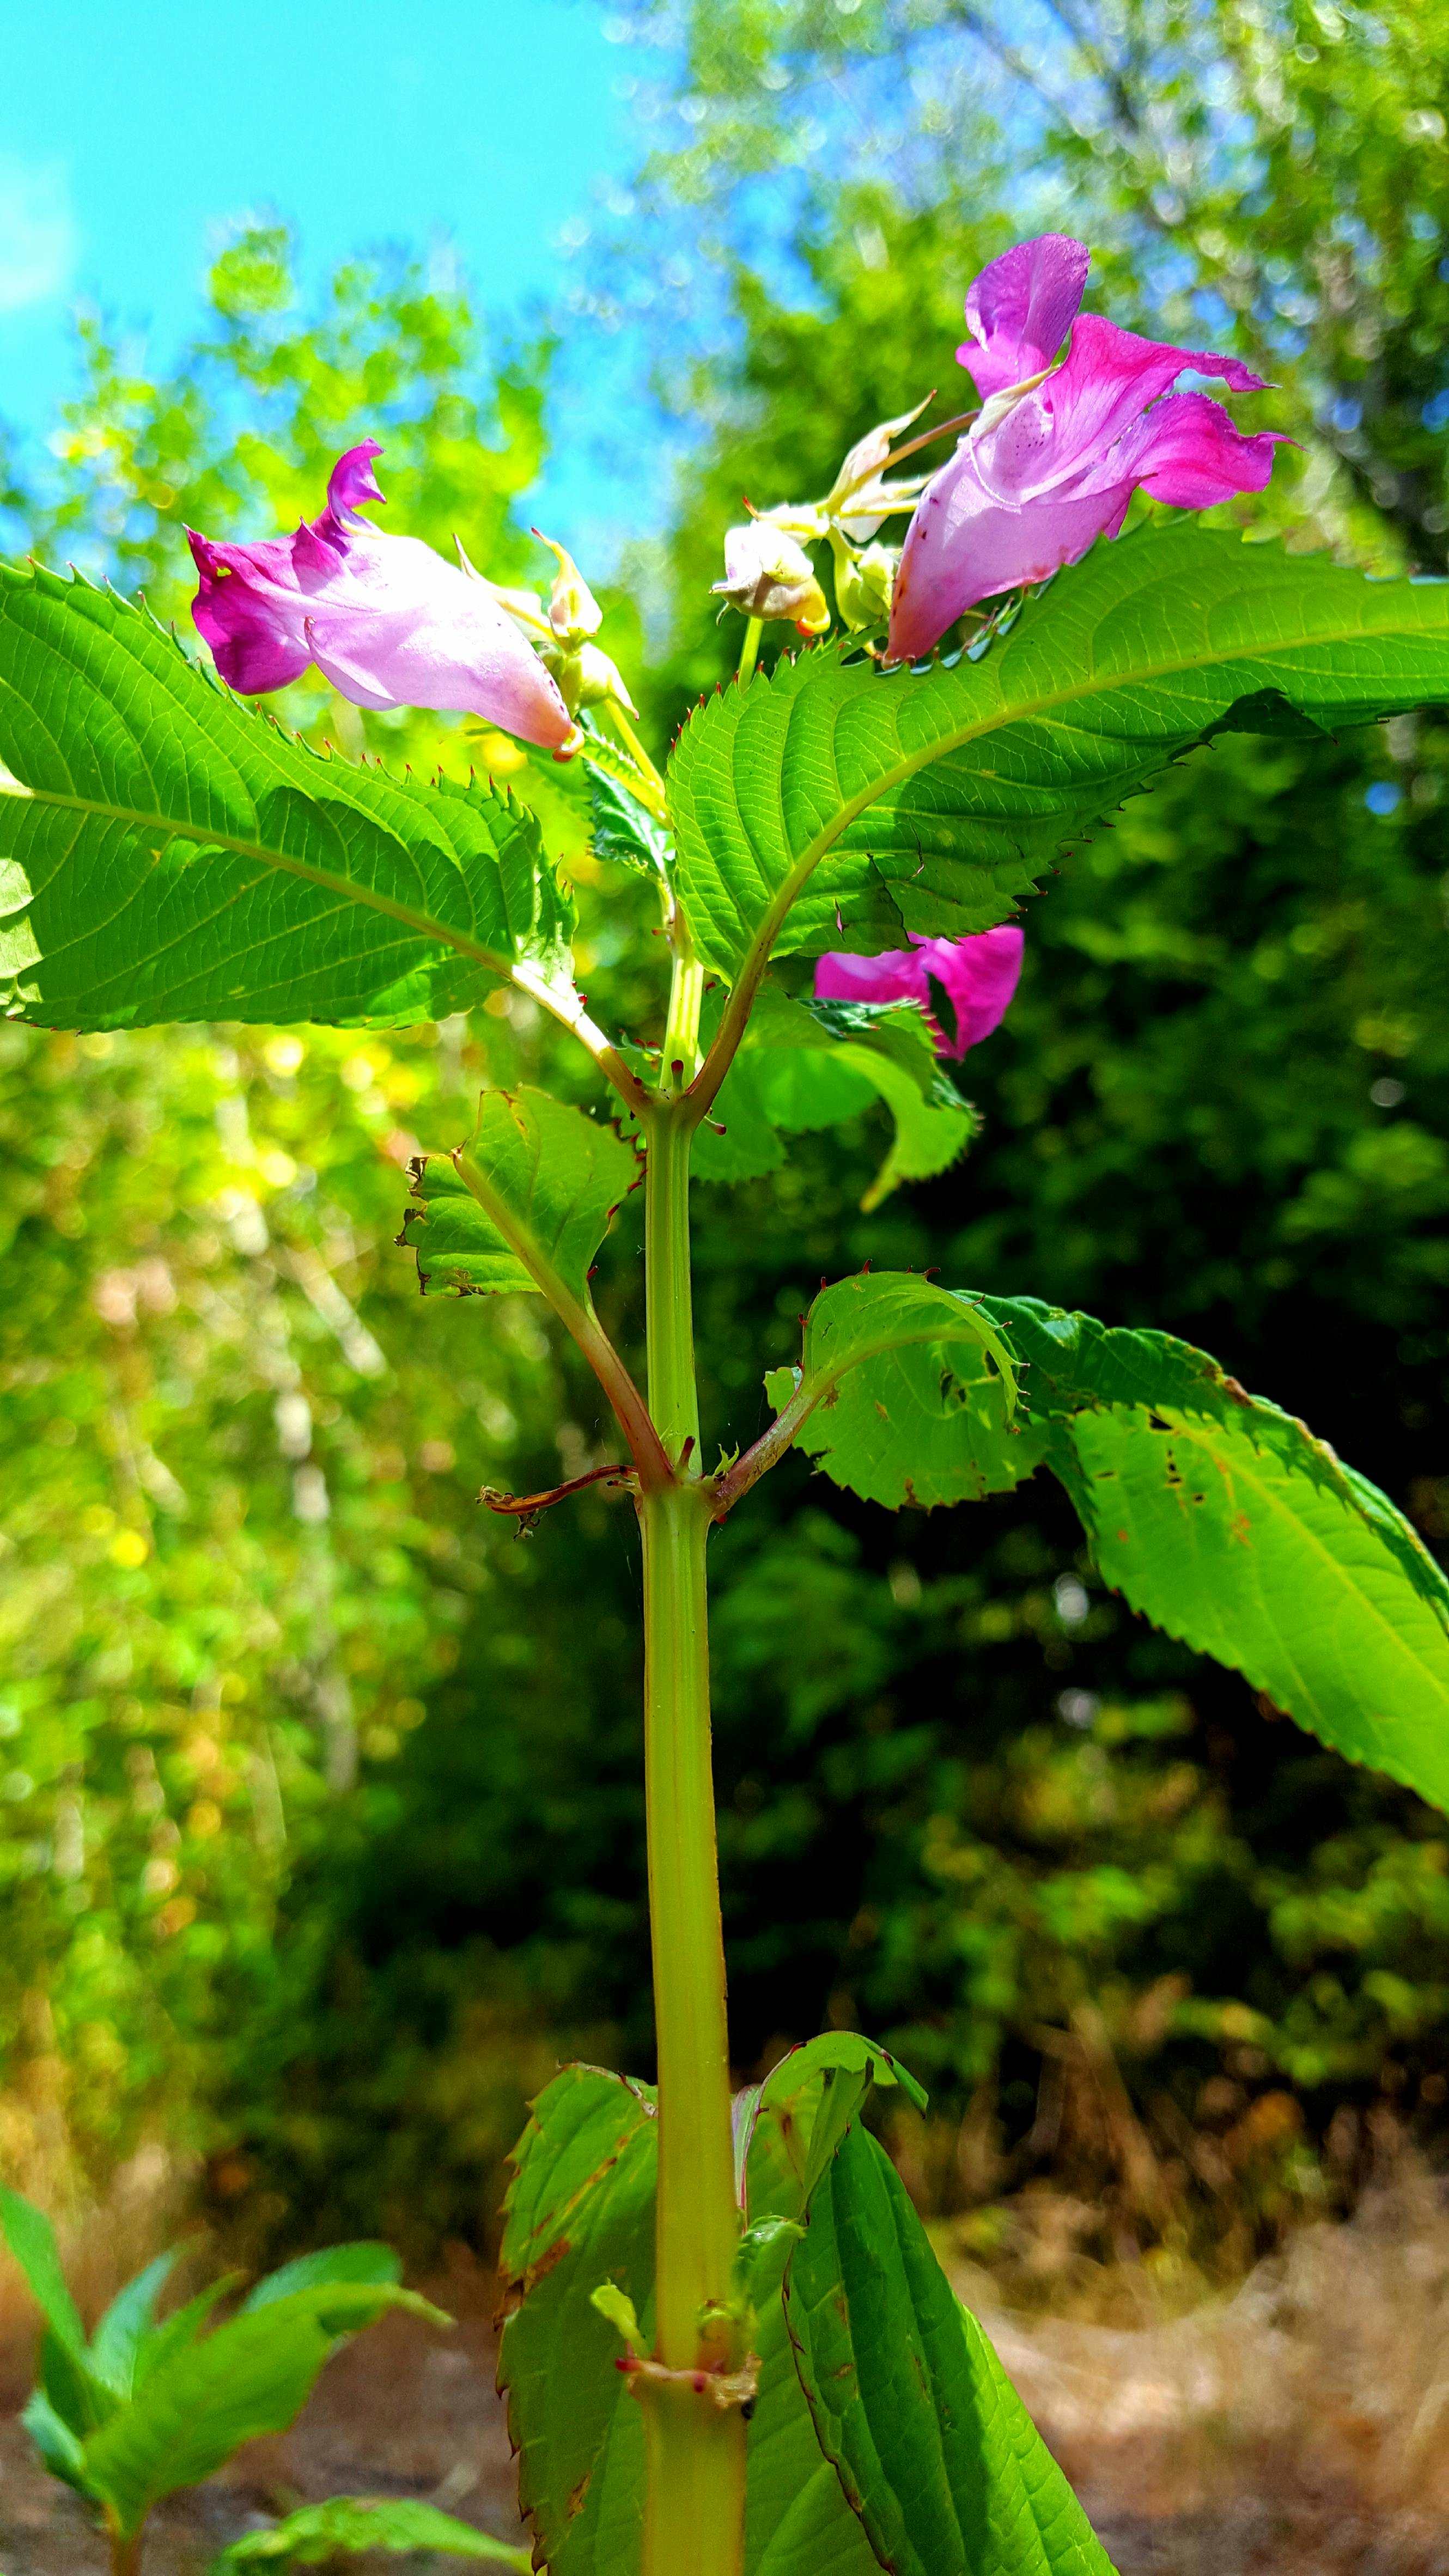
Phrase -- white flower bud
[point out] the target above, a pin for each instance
(767, 574)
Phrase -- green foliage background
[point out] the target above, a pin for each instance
(321, 1830)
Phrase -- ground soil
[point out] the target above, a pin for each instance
(1300, 2426)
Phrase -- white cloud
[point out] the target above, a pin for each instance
(37, 231)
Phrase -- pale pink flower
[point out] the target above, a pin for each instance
(385, 619)
(1057, 452)
(978, 976)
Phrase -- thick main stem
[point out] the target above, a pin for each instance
(695, 2515)
(694, 2519)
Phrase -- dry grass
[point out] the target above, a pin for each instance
(1300, 2422)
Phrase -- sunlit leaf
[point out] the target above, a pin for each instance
(31, 2239)
(127, 2322)
(1214, 1513)
(902, 1392)
(834, 805)
(205, 2399)
(171, 855)
(1229, 1525)
(527, 1202)
(369, 2263)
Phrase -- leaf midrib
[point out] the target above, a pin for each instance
(425, 924)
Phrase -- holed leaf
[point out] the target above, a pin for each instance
(933, 2446)
(169, 854)
(1214, 1513)
(526, 1204)
(903, 1392)
(835, 805)
(580, 2211)
(1227, 1523)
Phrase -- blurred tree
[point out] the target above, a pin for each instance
(966, 1800)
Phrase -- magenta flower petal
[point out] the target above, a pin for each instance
(1020, 310)
(386, 620)
(243, 612)
(979, 975)
(352, 482)
(1187, 451)
(1040, 476)
(958, 523)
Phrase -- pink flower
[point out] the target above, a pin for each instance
(1047, 466)
(978, 975)
(387, 620)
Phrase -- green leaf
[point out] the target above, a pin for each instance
(797, 2520)
(309, 2537)
(930, 1135)
(1214, 1513)
(252, 2376)
(58, 2446)
(903, 1392)
(525, 1205)
(31, 2239)
(806, 2100)
(176, 856)
(582, 2205)
(811, 1064)
(179, 2329)
(368, 2263)
(834, 805)
(81, 2401)
(623, 832)
(127, 2322)
(933, 2445)
(1224, 1521)
(580, 2210)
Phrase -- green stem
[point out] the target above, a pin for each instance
(754, 629)
(694, 2515)
(636, 750)
(668, 1299)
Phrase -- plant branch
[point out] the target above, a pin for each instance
(527, 1506)
(567, 1007)
(637, 753)
(630, 1410)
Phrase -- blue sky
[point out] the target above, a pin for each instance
(131, 131)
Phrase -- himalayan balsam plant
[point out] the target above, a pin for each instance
(729, 2344)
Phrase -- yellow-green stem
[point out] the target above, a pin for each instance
(694, 2522)
(694, 2514)
(754, 629)
(668, 1301)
